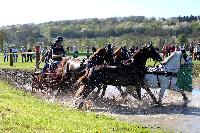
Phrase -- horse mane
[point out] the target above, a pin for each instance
(138, 53)
(117, 52)
(97, 53)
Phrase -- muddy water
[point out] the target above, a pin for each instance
(172, 115)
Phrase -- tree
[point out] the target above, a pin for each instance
(182, 39)
(2, 38)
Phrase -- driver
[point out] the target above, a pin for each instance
(56, 52)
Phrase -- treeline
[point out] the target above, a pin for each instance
(188, 18)
(120, 30)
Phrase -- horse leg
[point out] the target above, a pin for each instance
(123, 94)
(79, 102)
(98, 91)
(130, 90)
(104, 90)
(185, 98)
(150, 93)
(86, 90)
(163, 87)
(138, 91)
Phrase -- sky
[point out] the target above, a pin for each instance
(38, 11)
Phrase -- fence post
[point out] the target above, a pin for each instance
(37, 50)
(11, 57)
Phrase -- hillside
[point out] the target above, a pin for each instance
(135, 30)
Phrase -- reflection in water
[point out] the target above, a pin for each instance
(196, 92)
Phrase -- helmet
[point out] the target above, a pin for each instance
(59, 39)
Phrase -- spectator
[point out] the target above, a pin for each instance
(191, 49)
(87, 52)
(5, 54)
(43, 51)
(172, 48)
(15, 51)
(29, 55)
(177, 48)
(75, 51)
(94, 49)
(168, 50)
(182, 46)
(198, 51)
(68, 49)
(23, 54)
(164, 51)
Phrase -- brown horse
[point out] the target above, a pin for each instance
(118, 61)
(73, 69)
(125, 75)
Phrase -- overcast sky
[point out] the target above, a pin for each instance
(38, 11)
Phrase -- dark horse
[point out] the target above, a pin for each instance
(119, 60)
(73, 69)
(126, 75)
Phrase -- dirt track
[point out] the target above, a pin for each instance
(171, 115)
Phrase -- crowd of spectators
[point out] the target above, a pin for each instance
(26, 54)
(167, 49)
(194, 50)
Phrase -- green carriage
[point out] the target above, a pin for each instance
(184, 78)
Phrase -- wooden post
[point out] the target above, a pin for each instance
(11, 57)
(37, 50)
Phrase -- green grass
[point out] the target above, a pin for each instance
(21, 112)
(16, 65)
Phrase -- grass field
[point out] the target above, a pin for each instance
(21, 112)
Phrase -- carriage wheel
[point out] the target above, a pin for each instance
(35, 83)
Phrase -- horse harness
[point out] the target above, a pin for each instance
(166, 74)
(158, 72)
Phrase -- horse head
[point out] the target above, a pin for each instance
(117, 56)
(176, 60)
(100, 56)
(147, 52)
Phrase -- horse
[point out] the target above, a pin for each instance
(166, 75)
(125, 75)
(121, 57)
(119, 60)
(75, 68)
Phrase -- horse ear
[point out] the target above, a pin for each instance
(149, 45)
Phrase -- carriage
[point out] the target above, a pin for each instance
(48, 81)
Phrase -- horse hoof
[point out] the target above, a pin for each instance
(186, 103)
(124, 94)
(158, 103)
(80, 105)
(185, 99)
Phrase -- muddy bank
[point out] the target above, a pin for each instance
(19, 78)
